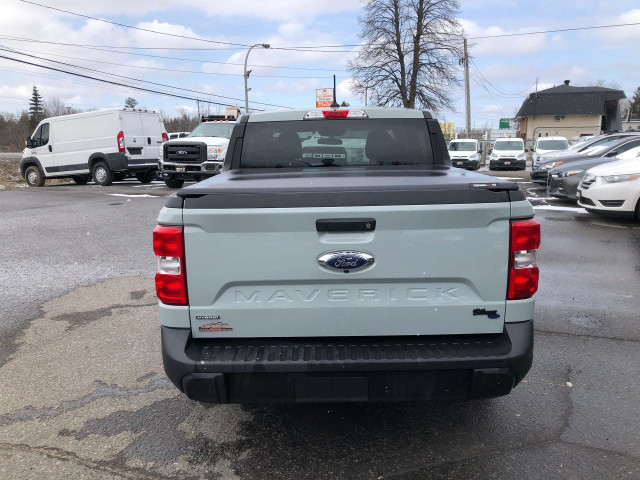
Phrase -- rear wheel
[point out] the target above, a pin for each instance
(173, 182)
(638, 211)
(82, 179)
(34, 176)
(145, 177)
(102, 174)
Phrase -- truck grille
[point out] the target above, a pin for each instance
(187, 153)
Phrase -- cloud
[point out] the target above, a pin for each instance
(507, 46)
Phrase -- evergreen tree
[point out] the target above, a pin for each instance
(36, 109)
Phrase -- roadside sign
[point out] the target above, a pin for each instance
(505, 123)
(324, 97)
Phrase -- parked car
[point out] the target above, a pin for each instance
(612, 188)
(174, 135)
(198, 156)
(311, 272)
(508, 153)
(548, 144)
(609, 146)
(564, 179)
(103, 144)
(581, 146)
(465, 153)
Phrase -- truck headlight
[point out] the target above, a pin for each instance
(213, 152)
(473, 157)
(620, 178)
(520, 156)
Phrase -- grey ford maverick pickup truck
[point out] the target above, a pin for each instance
(340, 257)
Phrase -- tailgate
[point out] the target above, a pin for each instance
(437, 270)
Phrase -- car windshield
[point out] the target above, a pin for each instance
(462, 147)
(552, 145)
(213, 130)
(594, 150)
(598, 143)
(336, 143)
(629, 154)
(509, 145)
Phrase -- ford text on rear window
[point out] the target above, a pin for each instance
(336, 143)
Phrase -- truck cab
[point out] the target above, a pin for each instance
(198, 155)
(465, 153)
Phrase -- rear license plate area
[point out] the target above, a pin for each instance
(507, 163)
(459, 163)
(331, 389)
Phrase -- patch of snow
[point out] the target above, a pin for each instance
(142, 195)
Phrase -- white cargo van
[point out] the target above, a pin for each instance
(105, 144)
(548, 144)
(465, 153)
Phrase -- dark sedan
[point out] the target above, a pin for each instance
(564, 179)
(606, 147)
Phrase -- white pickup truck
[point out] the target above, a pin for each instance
(340, 257)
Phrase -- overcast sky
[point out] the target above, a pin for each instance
(510, 64)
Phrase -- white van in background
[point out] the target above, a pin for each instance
(465, 153)
(508, 153)
(548, 144)
(105, 144)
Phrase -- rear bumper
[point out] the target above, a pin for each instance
(348, 369)
(465, 163)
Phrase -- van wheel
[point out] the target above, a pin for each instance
(34, 176)
(102, 174)
(638, 211)
(82, 179)
(172, 182)
(145, 177)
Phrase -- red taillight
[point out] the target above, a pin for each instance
(523, 271)
(165, 137)
(335, 113)
(120, 139)
(171, 283)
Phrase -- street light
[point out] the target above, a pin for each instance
(246, 74)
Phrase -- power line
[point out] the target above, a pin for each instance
(134, 79)
(133, 27)
(165, 69)
(144, 89)
(107, 48)
(558, 30)
(500, 90)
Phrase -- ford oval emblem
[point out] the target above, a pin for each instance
(182, 152)
(345, 261)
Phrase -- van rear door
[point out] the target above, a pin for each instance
(153, 128)
(134, 138)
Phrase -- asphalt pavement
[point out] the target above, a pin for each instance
(83, 392)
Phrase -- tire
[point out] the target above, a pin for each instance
(173, 182)
(638, 211)
(102, 174)
(145, 177)
(34, 176)
(82, 179)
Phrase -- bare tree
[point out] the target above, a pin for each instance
(54, 107)
(410, 54)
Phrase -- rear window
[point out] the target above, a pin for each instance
(336, 143)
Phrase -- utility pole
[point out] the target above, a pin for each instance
(198, 102)
(365, 95)
(466, 89)
(536, 84)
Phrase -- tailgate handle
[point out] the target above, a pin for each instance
(346, 225)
